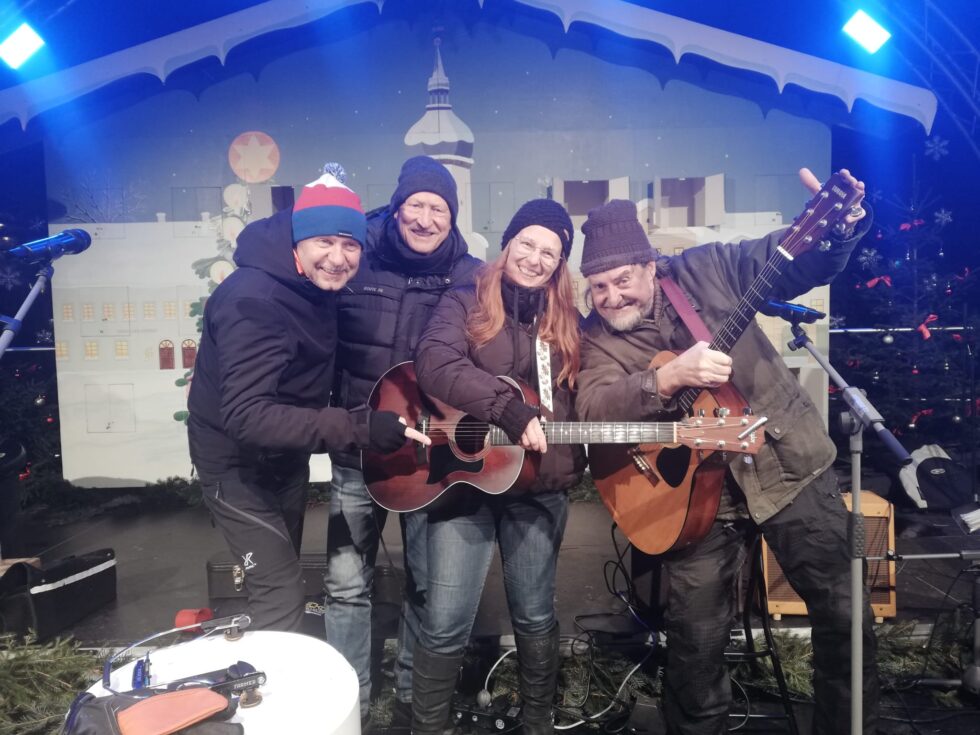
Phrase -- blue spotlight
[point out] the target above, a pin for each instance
(20, 46)
(866, 31)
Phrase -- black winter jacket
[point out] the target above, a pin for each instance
(385, 307)
(262, 376)
(452, 371)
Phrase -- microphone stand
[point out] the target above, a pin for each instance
(13, 324)
(861, 415)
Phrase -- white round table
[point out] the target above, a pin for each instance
(310, 687)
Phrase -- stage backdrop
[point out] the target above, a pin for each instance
(166, 183)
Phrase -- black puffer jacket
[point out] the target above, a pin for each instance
(449, 369)
(262, 376)
(385, 307)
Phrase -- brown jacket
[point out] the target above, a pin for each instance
(615, 384)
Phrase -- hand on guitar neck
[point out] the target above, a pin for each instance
(696, 367)
(856, 212)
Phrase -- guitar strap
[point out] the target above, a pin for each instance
(543, 352)
(684, 310)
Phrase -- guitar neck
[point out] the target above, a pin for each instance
(601, 432)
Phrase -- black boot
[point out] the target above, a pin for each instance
(433, 684)
(537, 656)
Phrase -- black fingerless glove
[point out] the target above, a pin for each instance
(515, 418)
(386, 432)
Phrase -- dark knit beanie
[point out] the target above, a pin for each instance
(614, 237)
(422, 173)
(548, 214)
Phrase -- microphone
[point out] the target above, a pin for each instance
(794, 313)
(68, 242)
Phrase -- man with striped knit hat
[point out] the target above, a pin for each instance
(261, 386)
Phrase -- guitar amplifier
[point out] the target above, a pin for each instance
(879, 525)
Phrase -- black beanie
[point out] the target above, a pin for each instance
(614, 237)
(548, 214)
(422, 173)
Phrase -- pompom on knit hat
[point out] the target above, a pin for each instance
(327, 207)
(422, 173)
(614, 237)
(548, 214)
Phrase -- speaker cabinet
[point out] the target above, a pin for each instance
(879, 527)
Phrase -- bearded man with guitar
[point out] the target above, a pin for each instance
(700, 511)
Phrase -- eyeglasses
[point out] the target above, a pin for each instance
(549, 258)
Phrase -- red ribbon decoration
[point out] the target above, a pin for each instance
(887, 280)
(923, 329)
(966, 274)
(905, 226)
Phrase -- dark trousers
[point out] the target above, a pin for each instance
(259, 510)
(809, 539)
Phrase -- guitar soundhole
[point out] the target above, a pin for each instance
(672, 464)
(442, 463)
(471, 435)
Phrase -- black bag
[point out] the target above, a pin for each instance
(935, 481)
(51, 599)
(226, 578)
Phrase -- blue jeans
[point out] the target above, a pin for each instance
(353, 537)
(462, 536)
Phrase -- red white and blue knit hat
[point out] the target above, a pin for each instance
(327, 207)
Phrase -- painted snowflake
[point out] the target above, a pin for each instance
(44, 337)
(943, 217)
(10, 278)
(869, 258)
(837, 322)
(937, 147)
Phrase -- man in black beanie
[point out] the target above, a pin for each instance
(788, 492)
(414, 252)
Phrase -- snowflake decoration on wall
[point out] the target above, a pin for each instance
(10, 278)
(943, 217)
(869, 258)
(44, 337)
(837, 322)
(937, 147)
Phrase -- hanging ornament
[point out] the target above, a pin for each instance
(908, 254)
(40, 400)
(875, 377)
(945, 366)
(957, 419)
(915, 369)
(888, 339)
(949, 288)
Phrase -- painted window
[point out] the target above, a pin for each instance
(122, 349)
(149, 310)
(108, 312)
(88, 313)
(169, 309)
(188, 352)
(91, 350)
(166, 353)
(127, 312)
(61, 350)
(67, 312)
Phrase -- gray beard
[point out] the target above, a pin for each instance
(629, 322)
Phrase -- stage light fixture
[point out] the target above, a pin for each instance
(20, 45)
(866, 31)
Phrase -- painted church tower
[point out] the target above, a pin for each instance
(449, 140)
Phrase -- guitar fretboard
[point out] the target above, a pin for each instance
(594, 432)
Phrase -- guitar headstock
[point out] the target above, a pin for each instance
(721, 434)
(827, 207)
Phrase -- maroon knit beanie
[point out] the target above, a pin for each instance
(614, 237)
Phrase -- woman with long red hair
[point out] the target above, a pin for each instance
(519, 320)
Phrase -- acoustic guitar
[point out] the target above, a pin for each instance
(666, 497)
(468, 451)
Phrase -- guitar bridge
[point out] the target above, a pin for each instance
(642, 466)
